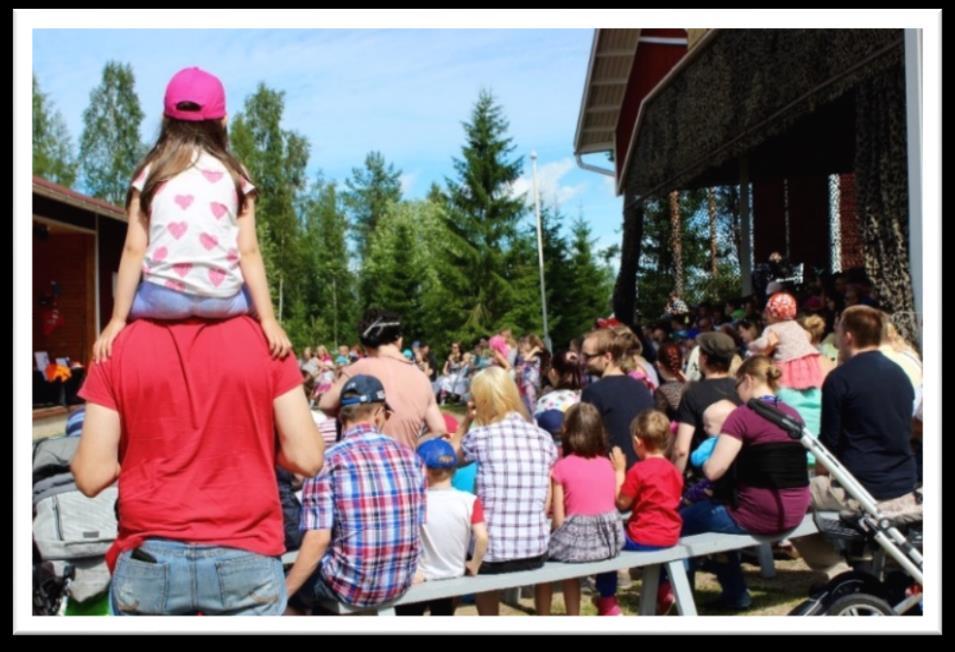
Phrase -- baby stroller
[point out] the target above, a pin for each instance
(886, 554)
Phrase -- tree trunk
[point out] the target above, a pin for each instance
(711, 196)
(625, 289)
(676, 241)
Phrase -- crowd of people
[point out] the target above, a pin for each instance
(199, 412)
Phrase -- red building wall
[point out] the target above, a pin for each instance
(650, 64)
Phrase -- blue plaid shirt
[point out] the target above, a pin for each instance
(371, 495)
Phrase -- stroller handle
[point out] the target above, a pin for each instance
(793, 428)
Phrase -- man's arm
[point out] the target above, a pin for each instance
(95, 465)
(314, 545)
(330, 400)
(301, 447)
(681, 446)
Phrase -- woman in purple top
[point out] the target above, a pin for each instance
(763, 484)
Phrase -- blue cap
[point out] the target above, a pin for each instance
(362, 389)
(551, 421)
(438, 453)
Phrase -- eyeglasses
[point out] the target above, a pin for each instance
(588, 356)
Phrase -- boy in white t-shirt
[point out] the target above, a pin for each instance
(454, 519)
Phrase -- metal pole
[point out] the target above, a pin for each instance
(913, 122)
(281, 296)
(540, 250)
(335, 308)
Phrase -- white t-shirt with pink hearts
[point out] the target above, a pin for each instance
(194, 232)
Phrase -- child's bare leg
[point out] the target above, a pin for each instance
(488, 603)
(572, 596)
(542, 598)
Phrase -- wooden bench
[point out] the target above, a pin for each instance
(671, 558)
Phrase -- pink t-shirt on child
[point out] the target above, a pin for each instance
(589, 484)
(194, 231)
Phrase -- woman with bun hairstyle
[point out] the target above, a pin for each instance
(414, 410)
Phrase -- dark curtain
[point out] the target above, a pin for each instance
(882, 195)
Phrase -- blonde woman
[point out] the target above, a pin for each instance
(514, 459)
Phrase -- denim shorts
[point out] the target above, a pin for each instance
(154, 301)
(188, 579)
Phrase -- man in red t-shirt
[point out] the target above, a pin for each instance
(184, 415)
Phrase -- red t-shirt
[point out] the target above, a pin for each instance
(198, 446)
(656, 487)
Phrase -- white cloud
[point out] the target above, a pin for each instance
(549, 184)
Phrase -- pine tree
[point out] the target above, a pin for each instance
(482, 221)
(371, 191)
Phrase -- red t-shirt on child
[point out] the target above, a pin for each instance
(198, 447)
(656, 487)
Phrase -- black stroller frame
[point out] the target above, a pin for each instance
(858, 592)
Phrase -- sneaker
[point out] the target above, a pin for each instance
(607, 606)
(665, 599)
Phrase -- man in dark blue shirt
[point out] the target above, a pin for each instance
(618, 397)
(867, 425)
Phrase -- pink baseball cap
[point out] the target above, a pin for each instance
(197, 87)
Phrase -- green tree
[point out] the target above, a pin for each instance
(589, 286)
(53, 156)
(371, 191)
(110, 146)
(482, 221)
(330, 290)
(276, 160)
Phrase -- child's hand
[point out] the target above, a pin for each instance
(279, 344)
(103, 347)
(472, 567)
(418, 577)
(618, 459)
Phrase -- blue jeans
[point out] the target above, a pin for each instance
(154, 301)
(606, 583)
(709, 516)
(191, 578)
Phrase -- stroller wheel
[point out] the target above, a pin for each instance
(860, 604)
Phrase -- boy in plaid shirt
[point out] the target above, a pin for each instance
(362, 514)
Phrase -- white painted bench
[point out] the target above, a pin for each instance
(651, 562)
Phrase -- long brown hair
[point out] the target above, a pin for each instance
(583, 432)
(174, 152)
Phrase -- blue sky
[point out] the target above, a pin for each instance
(404, 92)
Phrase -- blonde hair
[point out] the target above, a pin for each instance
(762, 369)
(816, 327)
(495, 395)
(651, 427)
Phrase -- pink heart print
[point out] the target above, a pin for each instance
(208, 241)
(177, 229)
(233, 256)
(178, 286)
(216, 275)
(184, 201)
(159, 254)
(211, 176)
(218, 210)
(182, 268)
